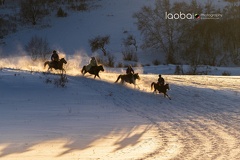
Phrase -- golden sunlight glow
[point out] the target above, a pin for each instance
(136, 143)
(73, 67)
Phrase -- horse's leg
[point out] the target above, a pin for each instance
(166, 95)
(98, 76)
(155, 90)
(134, 85)
(138, 86)
(84, 70)
(118, 79)
(50, 67)
(134, 82)
(63, 71)
(122, 81)
(63, 75)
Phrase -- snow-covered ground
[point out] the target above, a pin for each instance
(98, 119)
(92, 119)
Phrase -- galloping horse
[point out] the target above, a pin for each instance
(56, 65)
(161, 89)
(93, 70)
(128, 78)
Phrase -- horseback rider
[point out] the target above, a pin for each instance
(130, 72)
(55, 57)
(161, 81)
(92, 63)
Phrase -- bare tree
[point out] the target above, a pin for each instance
(160, 32)
(130, 41)
(2, 2)
(32, 10)
(231, 23)
(99, 42)
(38, 48)
(208, 42)
(7, 26)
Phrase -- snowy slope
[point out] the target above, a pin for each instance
(97, 119)
(71, 34)
(93, 119)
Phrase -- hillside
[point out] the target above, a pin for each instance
(81, 118)
(70, 35)
(97, 119)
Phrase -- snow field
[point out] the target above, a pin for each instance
(97, 119)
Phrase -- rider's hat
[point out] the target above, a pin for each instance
(54, 51)
(159, 75)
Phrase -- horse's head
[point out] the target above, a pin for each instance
(101, 68)
(136, 76)
(62, 60)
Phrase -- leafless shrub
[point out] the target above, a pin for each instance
(32, 11)
(61, 12)
(108, 61)
(179, 70)
(129, 55)
(226, 73)
(38, 48)
(7, 27)
(120, 65)
(99, 42)
(156, 62)
(130, 41)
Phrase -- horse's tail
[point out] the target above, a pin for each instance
(46, 63)
(118, 78)
(84, 68)
(152, 85)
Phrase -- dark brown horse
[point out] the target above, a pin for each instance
(93, 70)
(128, 78)
(56, 65)
(161, 89)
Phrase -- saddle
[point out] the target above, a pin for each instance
(160, 86)
(131, 78)
(92, 68)
(55, 64)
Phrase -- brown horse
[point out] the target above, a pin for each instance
(93, 70)
(128, 78)
(56, 65)
(161, 89)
